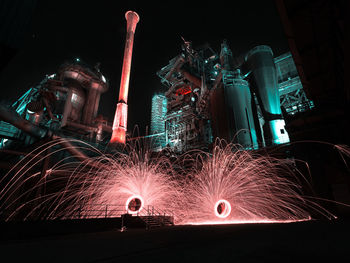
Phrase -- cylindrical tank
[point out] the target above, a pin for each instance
(91, 82)
(263, 78)
(240, 116)
(77, 103)
(92, 102)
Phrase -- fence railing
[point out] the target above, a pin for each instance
(86, 211)
(110, 211)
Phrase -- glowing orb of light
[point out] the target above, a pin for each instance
(222, 208)
(134, 204)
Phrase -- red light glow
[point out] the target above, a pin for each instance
(183, 90)
(120, 124)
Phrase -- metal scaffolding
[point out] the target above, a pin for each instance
(159, 110)
(292, 96)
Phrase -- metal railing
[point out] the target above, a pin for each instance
(148, 214)
(110, 211)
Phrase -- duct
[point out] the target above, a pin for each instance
(178, 63)
(263, 78)
(11, 116)
(196, 81)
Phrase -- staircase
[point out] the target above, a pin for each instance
(153, 221)
(154, 218)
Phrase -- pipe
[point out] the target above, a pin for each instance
(264, 79)
(178, 63)
(196, 81)
(11, 116)
(121, 113)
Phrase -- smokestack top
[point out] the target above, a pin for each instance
(132, 15)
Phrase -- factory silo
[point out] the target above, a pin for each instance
(263, 79)
(238, 102)
(219, 119)
(85, 88)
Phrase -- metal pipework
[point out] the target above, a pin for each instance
(92, 82)
(264, 79)
(11, 116)
(121, 113)
(196, 81)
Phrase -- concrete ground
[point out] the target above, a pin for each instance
(313, 241)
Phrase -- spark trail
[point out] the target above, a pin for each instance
(227, 186)
(138, 178)
(240, 186)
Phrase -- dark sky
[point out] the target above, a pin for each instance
(94, 31)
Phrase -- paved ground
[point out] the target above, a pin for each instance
(315, 241)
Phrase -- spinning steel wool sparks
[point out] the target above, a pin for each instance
(228, 186)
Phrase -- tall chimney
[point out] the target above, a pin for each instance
(121, 112)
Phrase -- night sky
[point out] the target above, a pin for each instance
(95, 31)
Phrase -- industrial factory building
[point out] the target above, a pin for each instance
(64, 104)
(240, 99)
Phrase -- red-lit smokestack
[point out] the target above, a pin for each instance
(121, 112)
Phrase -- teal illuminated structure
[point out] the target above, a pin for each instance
(9, 132)
(158, 113)
(64, 104)
(292, 95)
(238, 99)
(238, 102)
(263, 79)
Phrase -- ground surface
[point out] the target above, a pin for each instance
(314, 241)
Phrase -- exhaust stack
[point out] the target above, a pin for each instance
(121, 113)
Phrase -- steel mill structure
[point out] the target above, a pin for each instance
(244, 99)
(159, 110)
(240, 99)
(63, 108)
(63, 104)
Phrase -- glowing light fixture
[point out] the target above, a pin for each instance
(103, 78)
